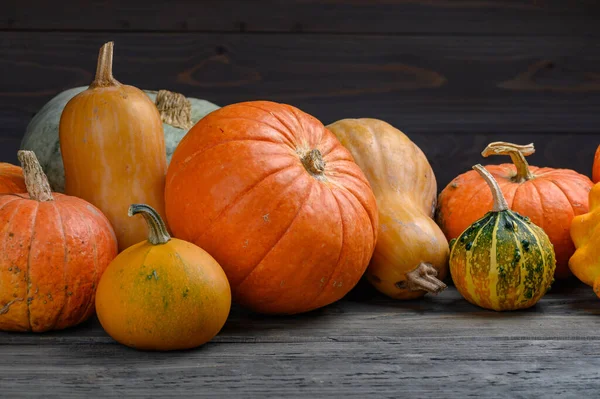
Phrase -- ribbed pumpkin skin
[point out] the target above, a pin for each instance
(551, 200)
(596, 169)
(405, 187)
(53, 254)
(502, 262)
(11, 179)
(289, 241)
(585, 231)
(113, 151)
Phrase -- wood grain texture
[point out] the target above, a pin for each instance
(363, 345)
(463, 91)
(506, 369)
(532, 17)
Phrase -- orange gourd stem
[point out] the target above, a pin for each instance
(500, 203)
(423, 277)
(36, 181)
(517, 154)
(157, 230)
(104, 76)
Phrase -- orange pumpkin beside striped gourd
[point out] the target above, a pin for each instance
(549, 197)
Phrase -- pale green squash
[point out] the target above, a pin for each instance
(41, 135)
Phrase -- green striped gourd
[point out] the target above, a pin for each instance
(502, 261)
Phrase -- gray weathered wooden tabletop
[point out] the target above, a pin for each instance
(363, 346)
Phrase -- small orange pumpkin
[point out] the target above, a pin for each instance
(278, 201)
(596, 169)
(54, 250)
(549, 197)
(11, 179)
(163, 293)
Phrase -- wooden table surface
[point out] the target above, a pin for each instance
(363, 346)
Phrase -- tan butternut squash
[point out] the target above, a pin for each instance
(411, 253)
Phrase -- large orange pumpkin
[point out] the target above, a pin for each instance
(11, 179)
(596, 170)
(549, 197)
(276, 199)
(54, 250)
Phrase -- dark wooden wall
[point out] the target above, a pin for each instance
(453, 75)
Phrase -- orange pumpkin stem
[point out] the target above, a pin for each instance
(175, 109)
(157, 230)
(517, 154)
(314, 163)
(423, 278)
(500, 203)
(36, 181)
(104, 75)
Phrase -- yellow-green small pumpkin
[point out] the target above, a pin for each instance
(164, 293)
(502, 261)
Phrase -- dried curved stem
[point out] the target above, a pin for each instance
(500, 203)
(104, 76)
(517, 154)
(36, 181)
(157, 231)
(175, 109)
(424, 278)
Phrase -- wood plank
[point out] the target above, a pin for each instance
(567, 313)
(422, 83)
(547, 17)
(507, 369)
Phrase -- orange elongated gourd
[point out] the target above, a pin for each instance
(113, 150)
(54, 251)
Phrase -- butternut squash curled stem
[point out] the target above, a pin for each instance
(423, 277)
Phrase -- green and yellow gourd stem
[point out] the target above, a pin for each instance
(157, 230)
(517, 154)
(500, 203)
